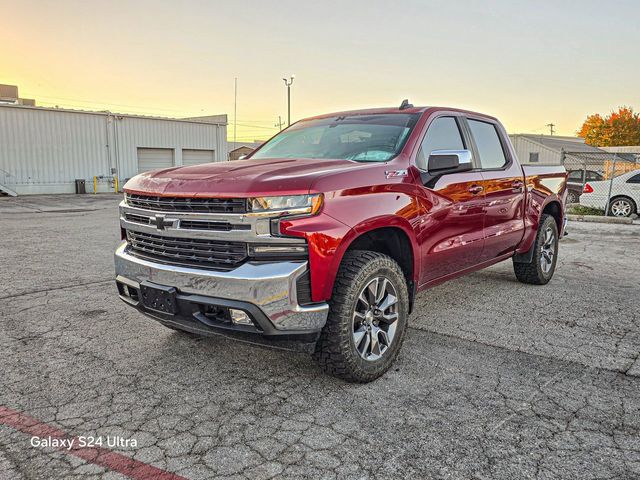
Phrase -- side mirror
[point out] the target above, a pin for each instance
(242, 157)
(449, 161)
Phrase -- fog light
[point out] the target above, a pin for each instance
(239, 317)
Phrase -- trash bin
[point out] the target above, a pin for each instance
(80, 185)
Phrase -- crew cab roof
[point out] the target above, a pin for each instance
(396, 110)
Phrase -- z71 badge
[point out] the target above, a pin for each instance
(395, 173)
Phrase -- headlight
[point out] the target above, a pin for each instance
(286, 205)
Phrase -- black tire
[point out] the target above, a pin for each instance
(336, 352)
(625, 207)
(533, 272)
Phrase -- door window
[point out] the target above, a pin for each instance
(575, 176)
(488, 143)
(634, 179)
(443, 134)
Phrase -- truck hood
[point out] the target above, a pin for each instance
(238, 178)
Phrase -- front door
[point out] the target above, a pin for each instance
(451, 228)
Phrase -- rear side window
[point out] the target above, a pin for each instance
(576, 176)
(443, 134)
(634, 179)
(488, 143)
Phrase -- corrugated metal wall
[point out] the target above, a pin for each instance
(45, 150)
(524, 147)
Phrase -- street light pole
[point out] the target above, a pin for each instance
(288, 82)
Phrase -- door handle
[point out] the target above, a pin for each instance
(517, 185)
(475, 189)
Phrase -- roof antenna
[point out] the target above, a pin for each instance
(405, 104)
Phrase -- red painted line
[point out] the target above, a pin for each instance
(96, 455)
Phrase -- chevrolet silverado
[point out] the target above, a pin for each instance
(324, 236)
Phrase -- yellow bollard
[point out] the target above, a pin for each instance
(95, 185)
(115, 183)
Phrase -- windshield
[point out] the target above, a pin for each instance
(362, 138)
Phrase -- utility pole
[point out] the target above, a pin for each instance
(280, 123)
(288, 83)
(551, 125)
(235, 111)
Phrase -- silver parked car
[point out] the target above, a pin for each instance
(625, 194)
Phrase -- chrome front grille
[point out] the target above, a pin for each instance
(210, 225)
(201, 253)
(184, 204)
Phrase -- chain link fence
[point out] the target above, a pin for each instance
(607, 181)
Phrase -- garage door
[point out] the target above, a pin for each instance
(196, 157)
(152, 158)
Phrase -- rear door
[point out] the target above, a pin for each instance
(451, 230)
(504, 188)
(632, 189)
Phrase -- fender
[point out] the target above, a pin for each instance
(369, 225)
(536, 204)
(329, 239)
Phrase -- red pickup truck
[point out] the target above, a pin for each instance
(326, 233)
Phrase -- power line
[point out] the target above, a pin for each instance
(257, 126)
(143, 110)
(90, 102)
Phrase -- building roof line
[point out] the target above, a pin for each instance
(113, 114)
(529, 139)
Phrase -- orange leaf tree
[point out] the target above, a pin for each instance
(617, 129)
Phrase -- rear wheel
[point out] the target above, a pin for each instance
(545, 254)
(367, 318)
(572, 197)
(622, 207)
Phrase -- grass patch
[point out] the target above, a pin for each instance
(582, 210)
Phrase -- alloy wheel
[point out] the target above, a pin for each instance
(548, 250)
(375, 318)
(621, 208)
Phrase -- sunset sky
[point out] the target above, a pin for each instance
(529, 63)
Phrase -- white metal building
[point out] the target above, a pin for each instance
(44, 150)
(547, 149)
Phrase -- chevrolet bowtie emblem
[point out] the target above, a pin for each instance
(160, 222)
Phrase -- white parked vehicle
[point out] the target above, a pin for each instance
(625, 194)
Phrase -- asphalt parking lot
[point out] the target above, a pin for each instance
(496, 379)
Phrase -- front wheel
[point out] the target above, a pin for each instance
(367, 318)
(540, 269)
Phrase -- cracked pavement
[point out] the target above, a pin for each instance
(495, 380)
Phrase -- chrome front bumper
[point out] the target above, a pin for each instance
(269, 286)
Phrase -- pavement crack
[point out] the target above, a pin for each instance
(51, 289)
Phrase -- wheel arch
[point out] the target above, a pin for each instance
(553, 208)
(393, 237)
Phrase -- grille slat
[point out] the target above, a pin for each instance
(183, 204)
(191, 252)
(192, 224)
